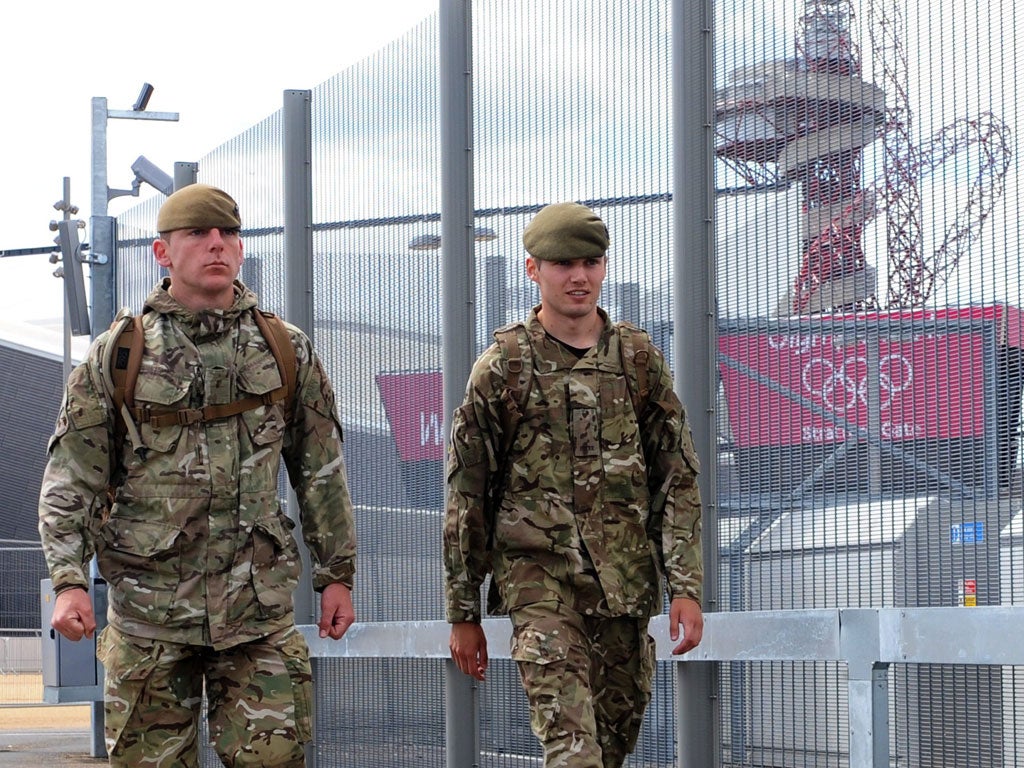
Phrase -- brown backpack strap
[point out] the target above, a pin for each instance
(279, 340)
(518, 373)
(185, 416)
(635, 352)
(122, 361)
(128, 339)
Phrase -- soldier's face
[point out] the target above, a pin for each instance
(202, 264)
(569, 288)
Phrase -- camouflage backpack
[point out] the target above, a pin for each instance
(124, 360)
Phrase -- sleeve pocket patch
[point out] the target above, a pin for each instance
(467, 441)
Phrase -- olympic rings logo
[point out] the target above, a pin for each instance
(842, 387)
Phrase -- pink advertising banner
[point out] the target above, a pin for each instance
(806, 386)
(801, 386)
(413, 402)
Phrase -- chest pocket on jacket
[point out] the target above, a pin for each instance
(163, 391)
(265, 424)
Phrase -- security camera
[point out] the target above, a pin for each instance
(149, 173)
(143, 101)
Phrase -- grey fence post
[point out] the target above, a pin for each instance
(185, 174)
(298, 256)
(694, 317)
(101, 231)
(867, 687)
(297, 152)
(458, 312)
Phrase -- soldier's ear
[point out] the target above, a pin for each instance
(531, 268)
(160, 252)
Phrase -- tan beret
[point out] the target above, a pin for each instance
(565, 231)
(198, 206)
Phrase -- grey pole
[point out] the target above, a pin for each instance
(694, 316)
(103, 264)
(297, 152)
(101, 240)
(298, 208)
(458, 310)
(298, 257)
(101, 228)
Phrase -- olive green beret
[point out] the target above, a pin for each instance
(565, 231)
(198, 206)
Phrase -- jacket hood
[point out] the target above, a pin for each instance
(202, 323)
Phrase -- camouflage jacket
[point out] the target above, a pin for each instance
(195, 547)
(590, 485)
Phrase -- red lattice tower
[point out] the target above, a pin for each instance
(909, 272)
(809, 121)
(831, 181)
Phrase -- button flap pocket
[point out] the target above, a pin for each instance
(162, 387)
(532, 645)
(260, 376)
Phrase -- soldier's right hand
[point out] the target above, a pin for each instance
(73, 616)
(468, 645)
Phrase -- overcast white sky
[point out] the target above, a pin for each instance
(221, 64)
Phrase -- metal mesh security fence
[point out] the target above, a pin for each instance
(23, 567)
(376, 327)
(869, 375)
(869, 300)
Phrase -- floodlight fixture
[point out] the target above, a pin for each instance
(63, 205)
(428, 242)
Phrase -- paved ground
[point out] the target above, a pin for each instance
(34, 737)
(39, 749)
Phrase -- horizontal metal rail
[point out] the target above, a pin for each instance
(867, 640)
(984, 635)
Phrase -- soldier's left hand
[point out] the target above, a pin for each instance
(336, 611)
(685, 611)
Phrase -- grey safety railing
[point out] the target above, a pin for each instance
(866, 640)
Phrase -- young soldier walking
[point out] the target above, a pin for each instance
(572, 480)
(200, 560)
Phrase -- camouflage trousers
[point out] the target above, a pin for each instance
(259, 696)
(588, 680)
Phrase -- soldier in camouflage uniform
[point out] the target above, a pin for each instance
(200, 560)
(596, 504)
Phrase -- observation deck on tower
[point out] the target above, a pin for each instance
(807, 120)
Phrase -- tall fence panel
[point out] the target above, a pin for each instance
(23, 566)
(377, 330)
(870, 347)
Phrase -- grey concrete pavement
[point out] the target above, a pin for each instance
(46, 748)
